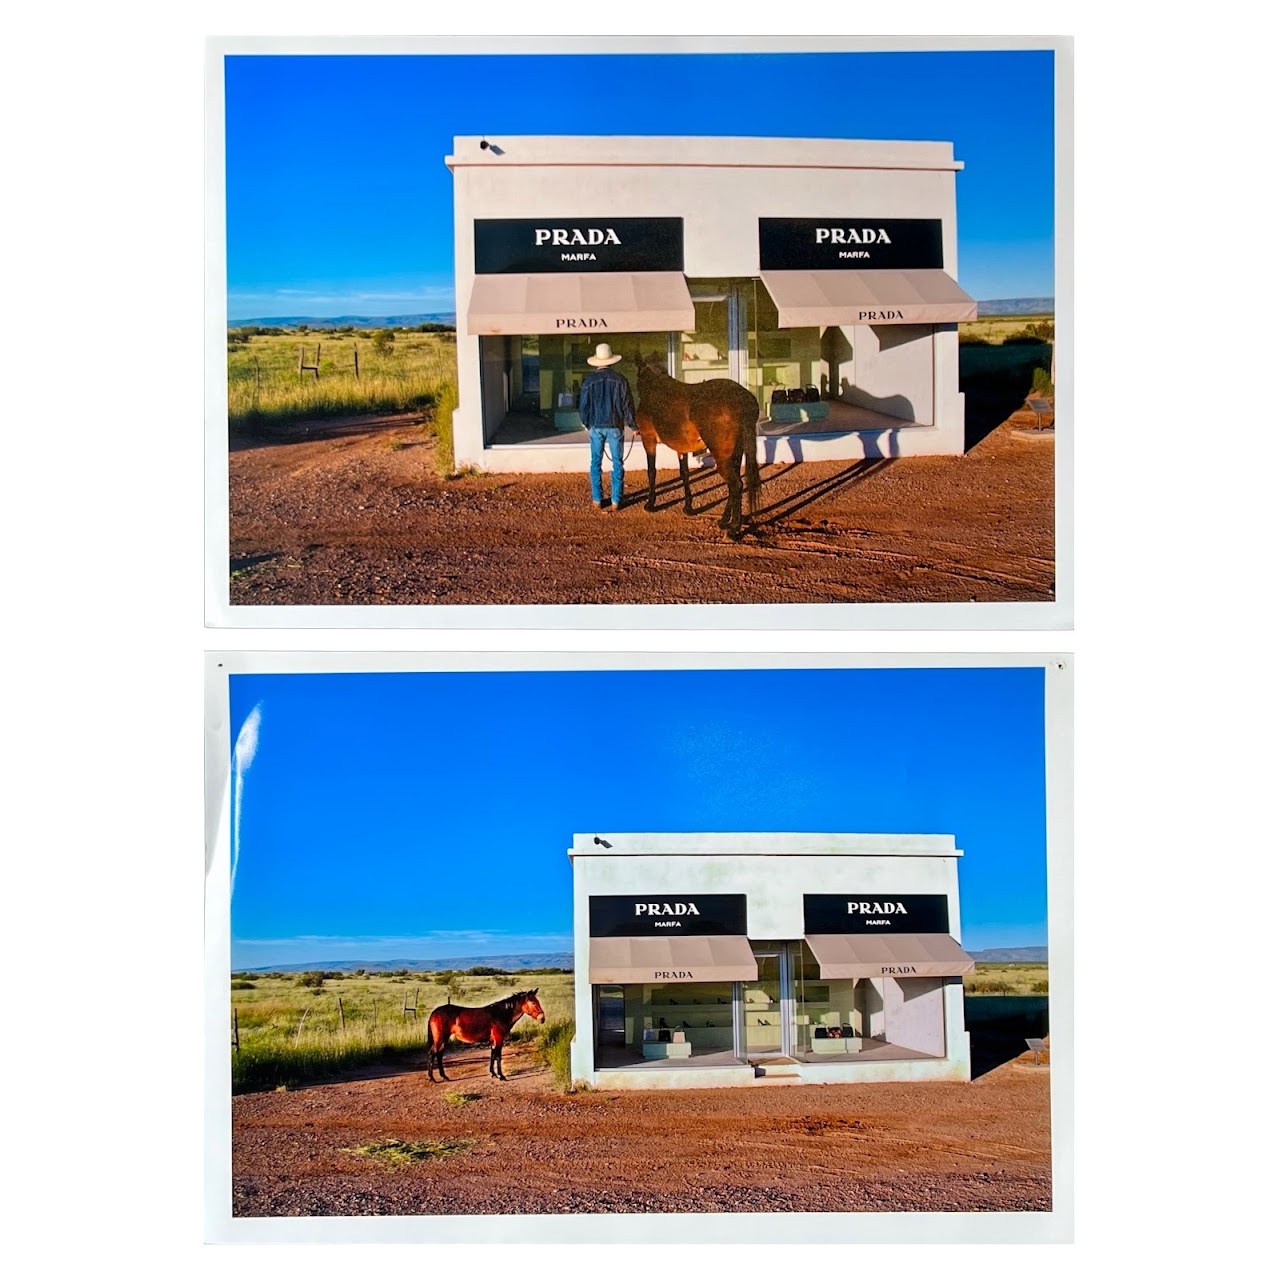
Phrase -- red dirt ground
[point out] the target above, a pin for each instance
(354, 513)
(935, 1147)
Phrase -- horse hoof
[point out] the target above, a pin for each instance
(650, 506)
(688, 511)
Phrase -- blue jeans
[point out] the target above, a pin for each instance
(612, 436)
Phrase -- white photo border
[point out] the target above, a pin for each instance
(1054, 1226)
(1053, 615)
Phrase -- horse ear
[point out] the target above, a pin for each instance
(533, 992)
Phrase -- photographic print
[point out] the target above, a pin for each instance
(486, 347)
(618, 939)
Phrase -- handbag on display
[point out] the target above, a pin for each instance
(810, 395)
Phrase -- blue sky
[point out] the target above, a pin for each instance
(427, 815)
(338, 200)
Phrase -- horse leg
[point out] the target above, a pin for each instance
(495, 1059)
(688, 490)
(730, 469)
(651, 504)
(439, 1058)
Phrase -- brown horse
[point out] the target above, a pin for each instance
(493, 1023)
(719, 415)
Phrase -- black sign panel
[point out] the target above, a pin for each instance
(860, 244)
(653, 915)
(876, 913)
(506, 246)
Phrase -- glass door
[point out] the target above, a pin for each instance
(767, 1009)
(715, 346)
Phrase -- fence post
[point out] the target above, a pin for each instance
(356, 349)
(235, 1030)
(341, 1018)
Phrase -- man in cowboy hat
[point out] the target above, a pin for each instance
(606, 408)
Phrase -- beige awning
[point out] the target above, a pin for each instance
(601, 302)
(808, 298)
(889, 955)
(672, 960)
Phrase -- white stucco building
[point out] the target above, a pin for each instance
(708, 959)
(818, 273)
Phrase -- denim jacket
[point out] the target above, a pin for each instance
(606, 401)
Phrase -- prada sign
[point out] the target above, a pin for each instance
(856, 243)
(526, 246)
(876, 913)
(701, 915)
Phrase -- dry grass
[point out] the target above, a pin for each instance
(265, 389)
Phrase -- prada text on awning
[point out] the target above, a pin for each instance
(889, 955)
(584, 302)
(814, 298)
(674, 959)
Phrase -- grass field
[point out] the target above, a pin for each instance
(291, 1033)
(1007, 980)
(413, 371)
(997, 328)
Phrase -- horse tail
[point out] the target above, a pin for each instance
(751, 449)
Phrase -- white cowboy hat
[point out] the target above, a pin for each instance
(603, 356)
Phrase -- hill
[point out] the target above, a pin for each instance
(344, 322)
(507, 964)
(1016, 307)
(1011, 955)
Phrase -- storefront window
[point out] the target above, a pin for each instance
(704, 352)
(671, 1022)
(561, 361)
(784, 360)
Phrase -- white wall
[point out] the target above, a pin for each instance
(892, 370)
(915, 1014)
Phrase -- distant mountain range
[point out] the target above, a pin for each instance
(508, 964)
(1011, 955)
(563, 960)
(343, 322)
(1016, 307)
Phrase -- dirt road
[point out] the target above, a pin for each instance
(353, 513)
(776, 1148)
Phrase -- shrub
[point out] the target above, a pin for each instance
(382, 339)
(442, 428)
(313, 979)
(1023, 340)
(1040, 988)
(1042, 383)
(553, 1046)
(990, 987)
(483, 971)
(244, 986)
(972, 340)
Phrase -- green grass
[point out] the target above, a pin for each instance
(397, 1151)
(279, 1046)
(264, 389)
(459, 1099)
(553, 1044)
